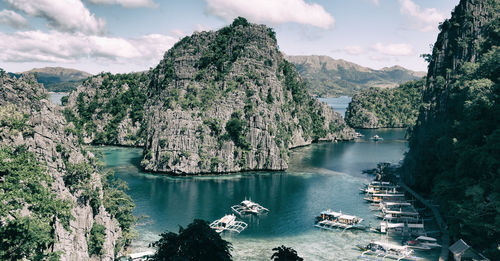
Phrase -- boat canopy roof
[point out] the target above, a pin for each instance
(426, 238)
(396, 203)
(348, 217)
(390, 246)
(248, 203)
(331, 213)
(141, 254)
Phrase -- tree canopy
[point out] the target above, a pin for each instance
(283, 253)
(196, 242)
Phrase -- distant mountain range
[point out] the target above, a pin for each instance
(58, 79)
(328, 77)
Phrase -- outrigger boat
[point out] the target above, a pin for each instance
(423, 243)
(386, 250)
(372, 190)
(330, 220)
(385, 197)
(228, 223)
(379, 185)
(249, 207)
(376, 138)
(402, 228)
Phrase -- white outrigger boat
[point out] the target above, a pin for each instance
(387, 250)
(423, 243)
(331, 220)
(228, 223)
(248, 207)
(402, 228)
(376, 138)
(385, 197)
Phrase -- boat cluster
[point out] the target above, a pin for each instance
(229, 223)
(398, 217)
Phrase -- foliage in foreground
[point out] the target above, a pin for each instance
(196, 242)
(284, 253)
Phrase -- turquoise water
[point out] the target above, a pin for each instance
(321, 176)
(339, 104)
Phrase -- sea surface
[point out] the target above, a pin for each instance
(339, 104)
(55, 97)
(321, 176)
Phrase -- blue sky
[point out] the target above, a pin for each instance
(132, 35)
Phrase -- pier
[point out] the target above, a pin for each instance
(445, 237)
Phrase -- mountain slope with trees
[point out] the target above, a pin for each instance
(327, 77)
(455, 145)
(56, 202)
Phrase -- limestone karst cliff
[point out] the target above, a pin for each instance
(228, 101)
(55, 202)
(454, 146)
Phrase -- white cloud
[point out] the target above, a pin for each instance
(13, 19)
(399, 49)
(354, 49)
(64, 15)
(126, 3)
(423, 20)
(61, 47)
(375, 2)
(274, 12)
(179, 33)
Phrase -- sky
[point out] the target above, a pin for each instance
(121, 36)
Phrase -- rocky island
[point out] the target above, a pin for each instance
(56, 203)
(218, 102)
(386, 108)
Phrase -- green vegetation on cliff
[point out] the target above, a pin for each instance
(233, 97)
(105, 103)
(28, 233)
(455, 145)
(386, 108)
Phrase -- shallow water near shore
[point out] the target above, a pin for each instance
(320, 176)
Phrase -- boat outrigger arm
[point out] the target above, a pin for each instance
(249, 207)
(228, 223)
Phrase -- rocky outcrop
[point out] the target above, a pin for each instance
(386, 108)
(453, 150)
(30, 121)
(228, 101)
(108, 109)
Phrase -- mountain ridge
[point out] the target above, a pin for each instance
(329, 77)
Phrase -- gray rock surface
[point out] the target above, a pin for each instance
(210, 79)
(46, 139)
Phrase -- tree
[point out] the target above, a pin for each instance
(284, 253)
(196, 242)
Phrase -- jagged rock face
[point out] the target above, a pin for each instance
(107, 109)
(457, 43)
(227, 101)
(49, 140)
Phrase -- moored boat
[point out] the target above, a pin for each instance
(423, 243)
(387, 250)
(385, 197)
(376, 138)
(249, 207)
(329, 219)
(228, 223)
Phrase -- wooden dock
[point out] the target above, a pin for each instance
(445, 237)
